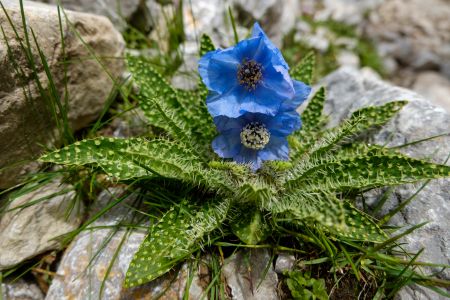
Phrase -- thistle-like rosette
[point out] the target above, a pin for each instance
(253, 137)
(250, 77)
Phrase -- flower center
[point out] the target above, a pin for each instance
(255, 136)
(249, 74)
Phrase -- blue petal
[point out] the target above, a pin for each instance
(218, 69)
(224, 123)
(227, 144)
(284, 123)
(248, 156)
(227, 104)
(276, 85)
(252, 48)
(276, 149)
(238, 101)
(302, 92)
(278, 58)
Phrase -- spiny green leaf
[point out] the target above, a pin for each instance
(151, 84)
(311, 116)
(124, 159)
(254, 190)
(360, 122)
(170, 120)
(178, 233)
(358, 226)
(197, 115)
(304, 71)
(375, 168)
(158, 99)
(183, 114)
(329, 140)
(206, 45)
(323, 208)
(373, 116)
(238, 171)
(312, 124)
(249, 225)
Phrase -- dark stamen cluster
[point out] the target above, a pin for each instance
(249, 74)
(255, 136)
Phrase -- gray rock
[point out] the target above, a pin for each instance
(418, 293)
(85, 262)
(26, 122)
(347, 11)
(20, 290)
(349, 90)
(83, 270)
(117, 11)
(434, 87)
(27, 232)
(348, 58)
(284, 262)
(245, 275)
(416, 33)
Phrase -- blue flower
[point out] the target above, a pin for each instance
(250, 77)
(254, 137)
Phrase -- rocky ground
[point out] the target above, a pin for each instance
(368, 49)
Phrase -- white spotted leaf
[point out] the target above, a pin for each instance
(177, 234)
(133, 158)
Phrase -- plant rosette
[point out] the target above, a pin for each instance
(262, 170)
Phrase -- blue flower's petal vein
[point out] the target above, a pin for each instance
(277, 149)
(284, 124)
(218, 70)
(227, 145)
(278, 57)
(302, 92)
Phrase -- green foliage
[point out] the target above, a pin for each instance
(304, 71)
(124, 159)
(358, 226)
(320, 208)
(154, 92)
(249, 226)
(311, 116)
(206, 45)
(303, 287)
(376, 168)
(312, 193)
(373, 116)
(182, 114)
(176, 235)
